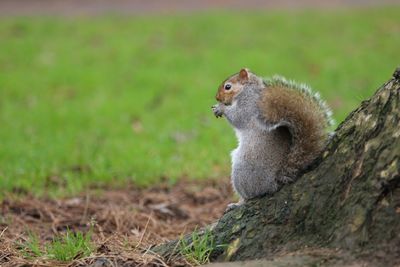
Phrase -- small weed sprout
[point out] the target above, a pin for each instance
(198, 251)
(31, 248)
(67, 247)
(70, 246)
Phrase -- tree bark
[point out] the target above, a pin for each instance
(344, 209)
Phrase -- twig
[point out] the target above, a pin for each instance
(144, 231)
(156, 256)
(2, 232)
(86, 207)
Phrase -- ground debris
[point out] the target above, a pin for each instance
(125, 222)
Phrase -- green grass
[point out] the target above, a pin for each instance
(71, 245)
(112, 99)
(200, 247)
(31, 247)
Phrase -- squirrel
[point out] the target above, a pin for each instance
(281, 127)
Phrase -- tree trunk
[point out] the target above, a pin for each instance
(345, 209)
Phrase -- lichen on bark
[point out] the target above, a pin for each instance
(347, 204)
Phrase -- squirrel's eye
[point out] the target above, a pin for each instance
(228, 86)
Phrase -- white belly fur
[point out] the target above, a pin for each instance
(255, 163)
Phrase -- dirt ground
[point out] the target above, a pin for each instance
(125, 223)
(95, 7)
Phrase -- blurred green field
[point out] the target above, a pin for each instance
(111, 99)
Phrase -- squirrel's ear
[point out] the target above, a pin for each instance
(244, 74)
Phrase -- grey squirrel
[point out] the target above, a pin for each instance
(281, 127)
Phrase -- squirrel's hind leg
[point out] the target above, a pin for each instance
(232, 206)
(286, 176)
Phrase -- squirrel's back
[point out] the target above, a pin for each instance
(306, 116)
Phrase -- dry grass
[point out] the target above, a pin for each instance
(125, 223)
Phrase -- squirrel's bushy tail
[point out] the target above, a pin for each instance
(305, 115)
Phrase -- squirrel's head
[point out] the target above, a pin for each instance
(234, 85)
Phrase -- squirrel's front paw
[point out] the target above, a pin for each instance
(217, 110)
